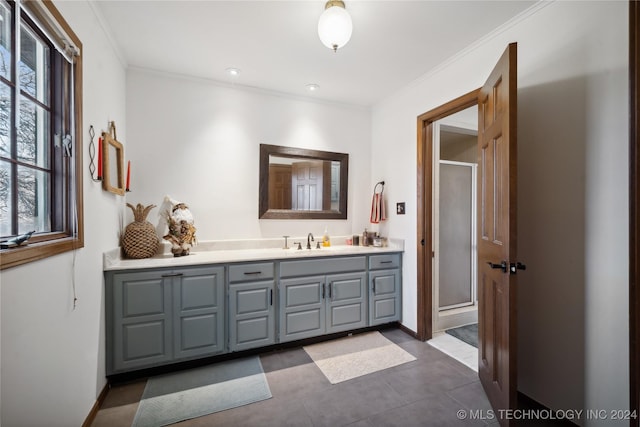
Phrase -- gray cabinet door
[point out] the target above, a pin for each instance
(138, 318)
(302, 309)
(346, 301)
(251, 315)
(384, 301)
(199, 314)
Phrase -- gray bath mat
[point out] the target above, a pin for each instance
(466, 333)
(350, 357)
(180, 396)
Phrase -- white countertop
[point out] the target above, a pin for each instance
(229, 251)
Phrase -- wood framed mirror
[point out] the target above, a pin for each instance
(112, 164)
(296, 183)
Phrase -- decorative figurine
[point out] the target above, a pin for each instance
(16, 241)
(182, 233)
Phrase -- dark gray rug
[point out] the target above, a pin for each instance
(466, 333)
(179, 396)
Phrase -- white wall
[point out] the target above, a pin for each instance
(198, 142)
(573, 206)
(52, 355)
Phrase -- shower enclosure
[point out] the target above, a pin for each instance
(455, 251)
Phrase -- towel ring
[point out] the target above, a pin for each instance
(381, 183)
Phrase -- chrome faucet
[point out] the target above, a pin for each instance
(309, 242)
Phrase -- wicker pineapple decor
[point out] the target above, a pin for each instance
(140, 239)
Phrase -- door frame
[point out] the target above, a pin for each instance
(634, 210)
(425, 207)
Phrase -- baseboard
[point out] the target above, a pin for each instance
(528, 404)
(96, 406)
(408, 331)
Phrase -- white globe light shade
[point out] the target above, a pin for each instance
(334, 27)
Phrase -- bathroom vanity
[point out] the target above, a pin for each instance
(165, 310)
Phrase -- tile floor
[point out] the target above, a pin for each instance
(458, 349)
(427, 392)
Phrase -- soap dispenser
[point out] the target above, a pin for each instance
(326, 242)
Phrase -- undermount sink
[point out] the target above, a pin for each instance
(335, 248)
(314, 251)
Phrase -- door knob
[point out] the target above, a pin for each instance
(502, 266)
(513, 267)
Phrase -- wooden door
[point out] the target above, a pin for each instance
(279, 186)
(497, 110)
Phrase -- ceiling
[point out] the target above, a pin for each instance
(276, 46)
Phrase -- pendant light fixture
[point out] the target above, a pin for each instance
(335, 26)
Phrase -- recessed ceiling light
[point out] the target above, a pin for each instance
(312, 87)
(233, 72)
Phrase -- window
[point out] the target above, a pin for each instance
(40, 132)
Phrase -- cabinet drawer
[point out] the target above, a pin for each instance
(322, 266)
(377, 262)
(247, 272)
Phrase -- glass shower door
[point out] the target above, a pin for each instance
(457, 243)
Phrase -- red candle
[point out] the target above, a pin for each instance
(128, 174)
(99, 158)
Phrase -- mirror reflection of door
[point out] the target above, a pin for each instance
(307, 184)
(304, 184)
(279, 186)
(300, 185)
